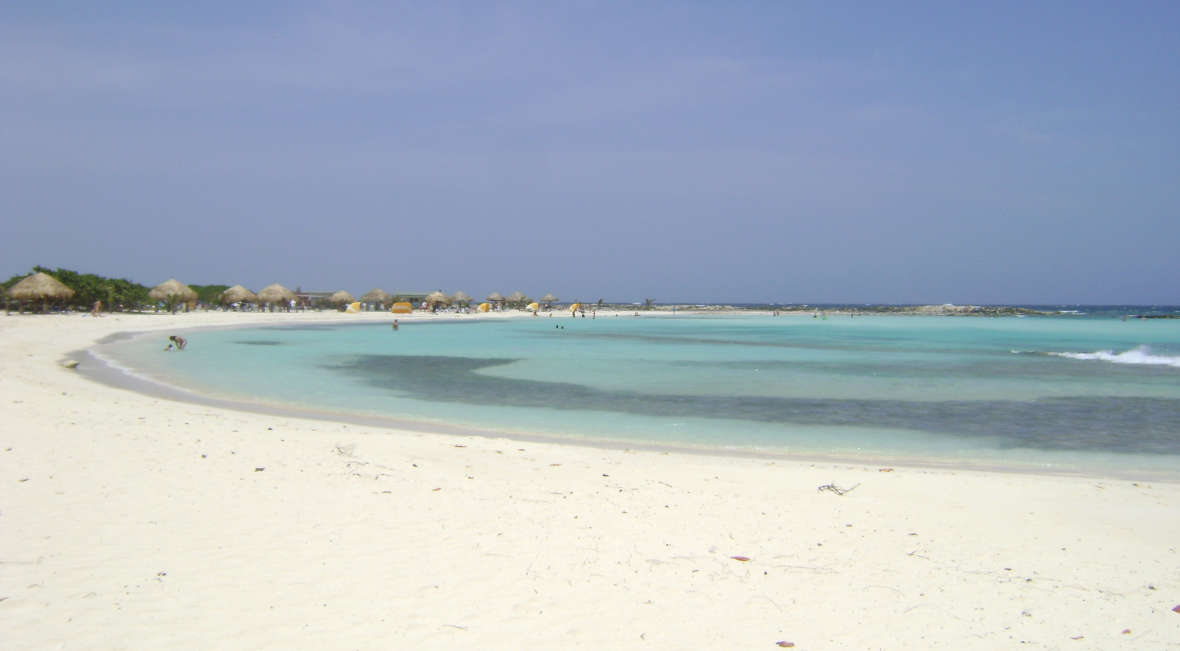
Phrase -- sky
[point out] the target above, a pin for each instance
(905, 152)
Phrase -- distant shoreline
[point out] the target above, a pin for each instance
(946, 309)
(913, 310)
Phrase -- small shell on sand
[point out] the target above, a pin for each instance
(744, 559)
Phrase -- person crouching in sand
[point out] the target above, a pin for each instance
(178, 341)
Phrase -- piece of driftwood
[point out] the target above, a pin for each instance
(832, 488)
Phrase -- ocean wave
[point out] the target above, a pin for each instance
(1141, 355)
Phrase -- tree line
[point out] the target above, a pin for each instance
(116, 294)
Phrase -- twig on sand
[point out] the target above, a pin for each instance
(836, 489)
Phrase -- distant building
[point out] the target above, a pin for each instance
(320, 299)
(312, 299)
(410, 297)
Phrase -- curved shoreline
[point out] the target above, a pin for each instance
(101, 369)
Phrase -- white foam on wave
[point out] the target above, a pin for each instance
(1140, 355)
(127, 371)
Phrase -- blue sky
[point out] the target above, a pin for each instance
(778, 151)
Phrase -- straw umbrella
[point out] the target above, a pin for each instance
(276, 293)
(496, 299)
(172, 291)
(238, 294)
(435, 299)
(548, 300)
(517, 298)
(461, 298)
(341, 298)
(40, 286)
(378, 297)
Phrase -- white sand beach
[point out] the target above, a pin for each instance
(134, 522)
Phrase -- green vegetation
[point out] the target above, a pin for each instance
(116, 294)
(209, 294)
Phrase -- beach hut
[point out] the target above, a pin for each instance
(238, 294)
(402, 307)
(341, 298)
(276, 294)
(517, 299)
(378, 298)
(40, 286)
(173, 292)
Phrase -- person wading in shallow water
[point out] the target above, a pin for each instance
(395, 324)
(178, 341)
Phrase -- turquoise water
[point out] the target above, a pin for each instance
(1047, 393)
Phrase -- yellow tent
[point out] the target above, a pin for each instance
(484, 307)
(353, 308)
(402, 308)
(533, 307)
(575, 307)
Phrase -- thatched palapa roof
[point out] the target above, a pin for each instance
(517, 297)
(377, 296)
(548, 298)
(238, 294)
(275, 293)
(495, 297)
(460, 298)
(173, 291)
(40, 286)
(437, 298)
(341, 297)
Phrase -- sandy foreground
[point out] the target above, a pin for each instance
(134, 522)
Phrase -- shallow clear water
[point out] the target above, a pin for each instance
(1058, 393)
